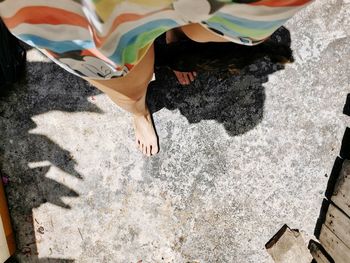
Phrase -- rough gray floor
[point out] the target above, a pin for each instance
(239, 157)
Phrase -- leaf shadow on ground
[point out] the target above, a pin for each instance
(45, 87)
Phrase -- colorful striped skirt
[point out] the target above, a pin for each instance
(103, 39)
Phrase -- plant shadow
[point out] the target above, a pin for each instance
(44, 87)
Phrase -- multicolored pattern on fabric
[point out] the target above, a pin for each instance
(103, 39)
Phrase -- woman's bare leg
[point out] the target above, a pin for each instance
(197, 33)
(184, 78)
(129, 92)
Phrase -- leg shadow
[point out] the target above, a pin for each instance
(235, 101)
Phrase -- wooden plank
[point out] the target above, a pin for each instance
(6, 248)
(318, 253)
(345, 145)
(339, 224)
(322, 217)
(346, 109)
(333, 178)
(341, 194)
(334, 246)
(288, 246)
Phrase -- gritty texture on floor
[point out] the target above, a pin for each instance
(240, 156)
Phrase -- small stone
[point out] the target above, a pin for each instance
(41, 230)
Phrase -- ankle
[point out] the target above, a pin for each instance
(144, 113)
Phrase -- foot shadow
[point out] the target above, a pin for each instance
(235, 101)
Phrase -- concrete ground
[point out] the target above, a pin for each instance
(240, 156)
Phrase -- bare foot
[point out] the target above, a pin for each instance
(184, 78)
(146, 137)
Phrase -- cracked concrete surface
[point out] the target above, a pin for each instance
(239, 157)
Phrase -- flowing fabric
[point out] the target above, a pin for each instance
(103, 39)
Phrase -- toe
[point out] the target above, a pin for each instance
(149, 150)
(140, 147)
(154, 148)
(191, 77)
(138, 144)
(187, 80)
(180, 77)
